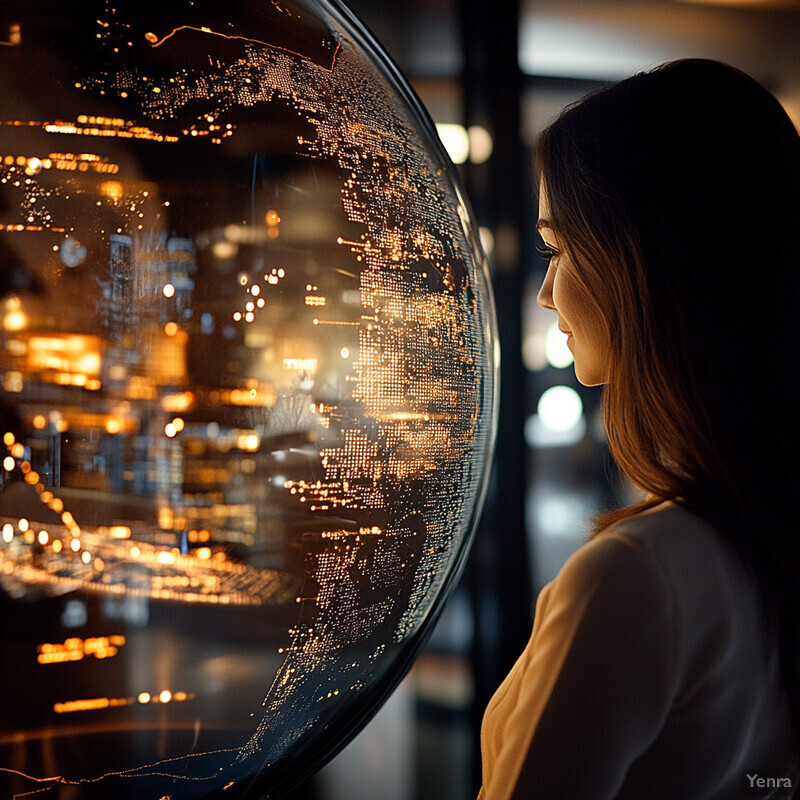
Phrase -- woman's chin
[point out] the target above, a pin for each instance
(589, 377)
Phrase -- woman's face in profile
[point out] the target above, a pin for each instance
(578, 315)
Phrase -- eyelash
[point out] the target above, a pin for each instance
(547, 252)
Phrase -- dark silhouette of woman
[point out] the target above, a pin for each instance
(664, 657)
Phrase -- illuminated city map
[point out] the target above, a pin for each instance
(248, 392)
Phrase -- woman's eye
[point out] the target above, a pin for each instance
(547, 252)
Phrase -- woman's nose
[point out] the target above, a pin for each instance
(545, 296)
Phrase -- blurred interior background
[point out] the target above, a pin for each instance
(491, 75)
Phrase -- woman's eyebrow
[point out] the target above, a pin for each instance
(543, 223)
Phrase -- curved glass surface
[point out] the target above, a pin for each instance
(248, 377)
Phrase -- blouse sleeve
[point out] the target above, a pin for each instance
(594, 684)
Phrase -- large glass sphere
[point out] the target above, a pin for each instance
(247, 370)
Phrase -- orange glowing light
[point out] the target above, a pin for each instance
(112, 189)
(33, 166)
(104, 127)
(75, 355)
(15, 320)
(76, 649)
(179, 401)
(249, 442)
(92, 704)
(156, 42)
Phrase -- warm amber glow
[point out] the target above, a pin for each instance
(15, 320)
(248, 441)
(74, 354)
(300, 364)
(76, 649)
(102, 703)
(93, 704)
(97, 126)
(112, 189)
(178, 401)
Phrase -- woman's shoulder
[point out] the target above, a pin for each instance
(662, 539)
(616, 573)
(666, 558)
(670, 519)
(681, 543)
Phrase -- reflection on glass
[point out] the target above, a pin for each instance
(246, 353)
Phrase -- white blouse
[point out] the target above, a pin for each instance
(651, 673)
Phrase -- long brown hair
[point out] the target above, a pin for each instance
(677, 194)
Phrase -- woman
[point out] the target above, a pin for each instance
(664, 657)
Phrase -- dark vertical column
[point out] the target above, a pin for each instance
(499, 573)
